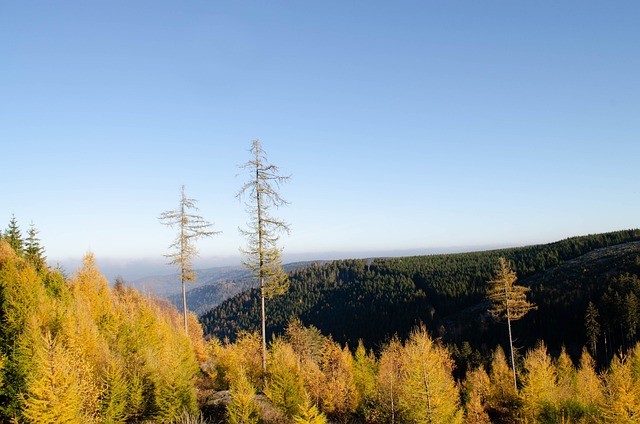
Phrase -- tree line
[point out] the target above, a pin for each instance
(375, 299)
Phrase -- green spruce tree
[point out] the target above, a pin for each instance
(33, 251)
(13, 236)
(592, 327)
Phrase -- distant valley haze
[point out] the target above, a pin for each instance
(133, 269)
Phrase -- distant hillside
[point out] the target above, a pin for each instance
(202, 298)
(212, 286)
(168, 285)
(375, 299)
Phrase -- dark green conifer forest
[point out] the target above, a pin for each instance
(375, 299)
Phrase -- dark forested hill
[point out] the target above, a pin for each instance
(374, 299)
(202, 298)
(214, 286)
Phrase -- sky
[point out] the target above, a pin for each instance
(407, 127)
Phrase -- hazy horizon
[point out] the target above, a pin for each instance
(132, 269)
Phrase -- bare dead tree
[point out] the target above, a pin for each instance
(191, 227)
(263, 256)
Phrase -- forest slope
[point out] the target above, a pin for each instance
(374, 299)
(218, 285)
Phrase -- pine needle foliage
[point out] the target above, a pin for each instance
(263, 255)
(33, 250)
(13, 236)
(592, 327)
(191, 227)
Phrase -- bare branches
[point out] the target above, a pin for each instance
(191, 227)
(261, 197)
(263, 256)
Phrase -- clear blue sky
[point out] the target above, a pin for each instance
(405, 125)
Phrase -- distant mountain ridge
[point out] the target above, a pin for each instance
(211, 287)
(167, 285)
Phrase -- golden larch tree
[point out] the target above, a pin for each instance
(310, 414)
(389, 380)
(284, 386)
(589, 388)
(622, 391)
(540, 388)
(566, 390)
(508, 302)
(502, 399)
(243, 408)
(364, 376)
(339, 392)
(53, 391)
(476, 389)
(428, 393)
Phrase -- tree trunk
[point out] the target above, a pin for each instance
(513, 362)
(184, 306)
(182, 262)
(264, 328)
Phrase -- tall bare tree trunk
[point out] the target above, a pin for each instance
(191, 227)
(262, 252)
(513, 361)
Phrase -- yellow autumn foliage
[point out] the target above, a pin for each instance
(540, 386)
(428, 393)
(284, 386)
(54, 393)
(621, 403)
(77, 351)
(339, 393)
